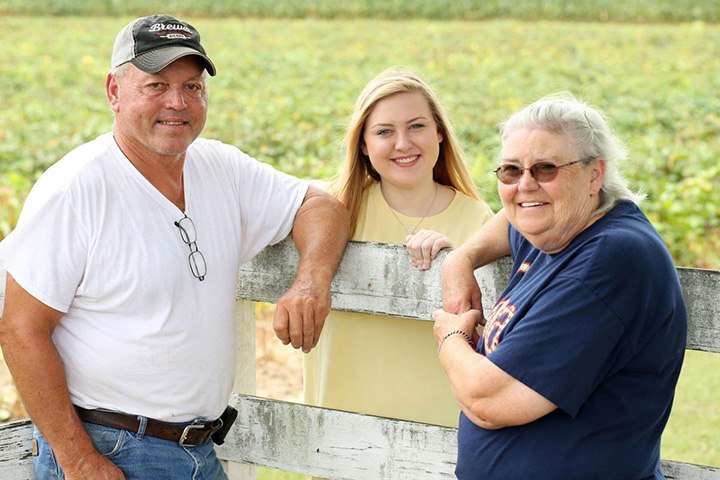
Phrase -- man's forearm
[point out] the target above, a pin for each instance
(321, 232)
(39, 377)
(33, 360)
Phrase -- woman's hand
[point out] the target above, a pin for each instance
(459, 286)
(424, 246)
(460, 289)
(488, 396)
(466, 322)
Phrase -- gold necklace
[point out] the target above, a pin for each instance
(411, 231)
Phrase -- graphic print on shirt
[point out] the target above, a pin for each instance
(501, 315)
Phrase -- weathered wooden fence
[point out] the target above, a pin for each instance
(373, 278)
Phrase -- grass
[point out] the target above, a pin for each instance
(286, 86)
(693, 431)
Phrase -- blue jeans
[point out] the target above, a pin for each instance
(140, 457)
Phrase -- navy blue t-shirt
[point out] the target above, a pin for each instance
(599, 330)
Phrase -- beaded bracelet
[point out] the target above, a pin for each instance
(456, 332)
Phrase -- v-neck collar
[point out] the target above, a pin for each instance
(154, 193)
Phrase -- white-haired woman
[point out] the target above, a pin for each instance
(576, 367)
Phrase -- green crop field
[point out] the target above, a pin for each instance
(642, 11)
(285, 87)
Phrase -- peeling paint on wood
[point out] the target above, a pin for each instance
(378, 278)
(688, 471)
(321, 442)
(701, 290)
(337, 445)
(372, 278)
(16, 451)
(347, 446)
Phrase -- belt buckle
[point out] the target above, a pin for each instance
(186, 432)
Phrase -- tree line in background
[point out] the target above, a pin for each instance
(566, 10)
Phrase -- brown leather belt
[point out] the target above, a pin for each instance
(185, 435)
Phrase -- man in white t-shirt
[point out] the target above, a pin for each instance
(121, 274)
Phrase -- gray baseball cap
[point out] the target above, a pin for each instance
(154, 42)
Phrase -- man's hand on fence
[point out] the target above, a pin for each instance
(300, 314)
(321, 232)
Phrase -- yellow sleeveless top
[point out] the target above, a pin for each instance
(382, 365)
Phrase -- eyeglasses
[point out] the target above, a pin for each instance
(542, 172)
(189, 236)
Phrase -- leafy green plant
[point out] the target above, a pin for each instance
(568, 10)
(13, 189)
(286, 87)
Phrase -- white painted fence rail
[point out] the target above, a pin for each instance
(373, 278)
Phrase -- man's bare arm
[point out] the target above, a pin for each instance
(321, 232)
(26, 338)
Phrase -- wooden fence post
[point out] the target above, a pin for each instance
(245, 373)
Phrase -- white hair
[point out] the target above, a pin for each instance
(588, 130)
(120, 70)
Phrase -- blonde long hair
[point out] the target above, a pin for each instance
(356, 173)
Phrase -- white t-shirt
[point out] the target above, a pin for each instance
(98, 242)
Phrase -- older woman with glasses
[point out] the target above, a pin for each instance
(575, 369)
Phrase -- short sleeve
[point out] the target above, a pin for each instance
(517, 242)
(46, 253)
(564, 346)
(268, 201)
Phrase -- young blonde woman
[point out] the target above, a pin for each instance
(404, 181)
